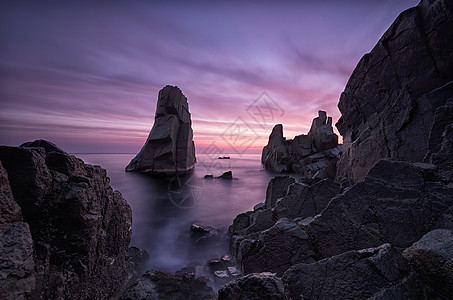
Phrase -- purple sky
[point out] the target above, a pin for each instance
(86, 76)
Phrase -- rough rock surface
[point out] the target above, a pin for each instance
(160, 285)
(80, 228)
(397, 203)
(253, 287)
(305, 154)
(169, 148)
(372, 273)
(9, 210)
(389, 103)
(432, 257)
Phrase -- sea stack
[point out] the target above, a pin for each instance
(169, 148)
(308, 155)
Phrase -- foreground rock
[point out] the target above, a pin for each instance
(432, 258)
(169, 148)
(76, 230)
(309, 155)
(253, 287)
(160, 285)
(390, 103)
(380, 273)
(397, 203)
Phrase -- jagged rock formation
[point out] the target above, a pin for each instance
(390, 106)
(169, 148)
(309, 154)
(396, 175)
(73, 240)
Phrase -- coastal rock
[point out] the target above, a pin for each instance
(226, 175)
(80, 227)
(375, 273)
(160, 285)
(389, 103)
(432, 258)
(305, 154)
(253, 287)
(277, 188)
(169, 148)
(394, 204)
(9, 210)
(17, 276)
(302, 201)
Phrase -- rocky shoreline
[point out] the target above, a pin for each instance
(373, 219)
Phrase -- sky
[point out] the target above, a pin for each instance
(86, 75)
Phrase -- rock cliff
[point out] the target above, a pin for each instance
(391, 101)
(383, 228)
(64, 232)
(305, 154)
(169, 148)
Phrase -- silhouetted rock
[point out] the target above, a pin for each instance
(208, 176)
(169, 148)
(160, 285)
(305, 154)
(253, 287)
(80, 227)
(375, 273)
(226, 175)
(389, 104)
(9, 210)
(432, 258)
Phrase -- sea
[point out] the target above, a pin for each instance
(163, 209)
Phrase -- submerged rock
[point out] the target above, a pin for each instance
(169, 148)
(80, 228)
(305, 154)
(389, 104)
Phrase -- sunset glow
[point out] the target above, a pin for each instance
(86, 76)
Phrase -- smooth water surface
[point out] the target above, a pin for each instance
(164, 209)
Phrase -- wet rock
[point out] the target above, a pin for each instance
(432, 258)
(375, 273)
(160, 285)
(137, 260)
(305, 154)
(394, 92)
(254, 286)
(203, 235)
(208, 176)
(169, 148)
(226, 175)
(80, 227)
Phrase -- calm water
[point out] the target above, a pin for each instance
(163, 210)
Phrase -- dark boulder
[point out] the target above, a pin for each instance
(80, 227)
(253, 287)
(389, 104)
(169, 148)
(374, 273)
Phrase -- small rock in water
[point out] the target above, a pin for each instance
(221, 274)
(234, 271)
(226, 175)
(209, 176)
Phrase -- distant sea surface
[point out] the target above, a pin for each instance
(164, 209)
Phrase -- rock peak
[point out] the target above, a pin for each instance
(169, 148)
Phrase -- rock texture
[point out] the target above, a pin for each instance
(309, 154)
(253, 287)
(76, 230)
(390, 104)
(169, 148)
(374, 273)
(160, 285)
(432, 258)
